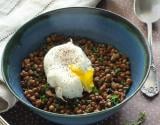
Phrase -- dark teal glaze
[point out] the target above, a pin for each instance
(95, 24)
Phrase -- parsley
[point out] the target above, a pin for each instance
(117, 71)
(122, 82)
(101, 59)
(43, 98)
(140, 120)
(46, 86)
(94, 49)
(114, 99)
(95, 90)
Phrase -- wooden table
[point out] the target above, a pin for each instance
(20, 115)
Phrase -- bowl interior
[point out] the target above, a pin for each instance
(91, 23)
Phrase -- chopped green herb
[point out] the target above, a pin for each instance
(139, 121)
(122, 82)
(43, 98)
(141, 118)
(95, 90)
(117, 71)
(94, 49)
(101, 59)
(114, 99)
(46, 86)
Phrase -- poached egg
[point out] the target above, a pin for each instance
(68, 70)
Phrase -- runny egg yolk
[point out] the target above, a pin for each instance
(86, 77)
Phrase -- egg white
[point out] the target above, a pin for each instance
(58, 74)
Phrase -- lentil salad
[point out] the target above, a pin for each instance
(112, 78)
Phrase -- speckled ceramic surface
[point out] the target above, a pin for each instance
(130, 111)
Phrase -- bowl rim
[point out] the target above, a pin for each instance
(86, 114)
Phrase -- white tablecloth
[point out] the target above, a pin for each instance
(13, 14)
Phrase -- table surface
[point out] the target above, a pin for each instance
(20, 115)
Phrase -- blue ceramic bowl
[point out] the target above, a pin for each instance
(96, 24)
